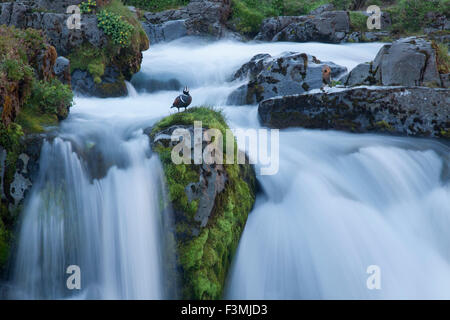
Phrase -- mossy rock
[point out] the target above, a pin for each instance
(204, 250)
(125, 59)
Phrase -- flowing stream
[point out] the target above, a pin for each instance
(339, 203)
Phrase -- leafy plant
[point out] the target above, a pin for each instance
(88, 6)
(358, 21)
(114, 26)
(49, 97)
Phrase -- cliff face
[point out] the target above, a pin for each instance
(31, 98)
(99, 66)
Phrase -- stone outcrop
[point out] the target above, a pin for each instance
(54, 25)
(407, 62)
(210, 204)
(211, 182)
(18, 182)
(53, 21)
(328, 26)
(288, 73)
(412, 111)
(198, 18)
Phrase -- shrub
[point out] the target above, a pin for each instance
(49, 97)
(358, 21)
(88, 6)
(409, 16)
(15, 70)
(114, 26)
(245, 18)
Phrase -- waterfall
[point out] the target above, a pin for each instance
(109, 227)
(339, 203)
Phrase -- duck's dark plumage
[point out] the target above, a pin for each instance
(183, 100)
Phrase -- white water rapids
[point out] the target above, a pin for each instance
(339, 203)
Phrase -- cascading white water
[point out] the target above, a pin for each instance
(339, 203)
(109, 227)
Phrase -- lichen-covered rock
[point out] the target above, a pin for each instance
(288, 73)
(409, 62)
(166, 31)
(362, 74)
(62, 70)
(328, 26)
(406, 62)
(198, 18)
(413, 111)
(211, 203)
(18, 171)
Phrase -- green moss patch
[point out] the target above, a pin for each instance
(205, 257)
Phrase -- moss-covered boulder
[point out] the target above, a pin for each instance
(210, 202)
(104, 51)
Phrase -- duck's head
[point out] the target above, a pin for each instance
(186, 90)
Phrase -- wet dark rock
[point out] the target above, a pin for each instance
(111, 86)
(288, 73)
(62, 70)
(445, 80)
(198, 18)
(412, 111)
(164, 32)
(362, 74)
(25, 169)
(329, 26)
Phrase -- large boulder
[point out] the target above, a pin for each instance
(407, 62)
(198, 18)
(328, 26)
(288, 73)
(210, 203)
(414, 111)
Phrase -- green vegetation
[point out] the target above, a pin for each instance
(442, 57)
(112, 25)
(409, 16)
(358, 21)
(156, 5)
(30, 98)
(205, 259)
(48, 103)
(88, 6)
(123, 52)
